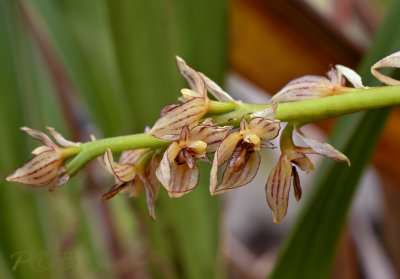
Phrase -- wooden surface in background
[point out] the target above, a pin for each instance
(273, 42)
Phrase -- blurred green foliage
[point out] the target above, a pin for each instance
(118, 60)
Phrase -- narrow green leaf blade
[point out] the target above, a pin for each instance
(311, 246)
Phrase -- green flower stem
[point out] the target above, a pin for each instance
(71, 151)
(313, 110)
(93, 149)
(216, 107)
(230, 113)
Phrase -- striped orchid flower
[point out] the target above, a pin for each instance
(47, 167)
(239, 150)
(285, 172)
(311, 87)
(178, 171)
(134, 171)
(194, 104)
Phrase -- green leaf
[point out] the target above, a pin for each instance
(310, 248)
(147, 36)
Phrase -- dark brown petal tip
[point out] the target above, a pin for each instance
(113, 191)
(296, 184)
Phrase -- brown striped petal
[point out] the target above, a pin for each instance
(185, 135)
(227, 147)
(192, 77)
(278, 187)
(232, 179)
(41, 170)
(324, 149)
(222, 154)
(265, 128)
(165, 109)
(183, 180)
(216, 90)
(39, 136)
(391, 61)
(169, 126)
(122, 172)
(244, 125)
(212, 135)
(307, 87)
(163, 171)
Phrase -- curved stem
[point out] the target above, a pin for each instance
(216, 107)
(313, 110)
(230, 113)
(93, 149)
(71, 151)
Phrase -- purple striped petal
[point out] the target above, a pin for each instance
(212, 135)
(169, 126)
(278, 187)
(41, 170)
(232, 179)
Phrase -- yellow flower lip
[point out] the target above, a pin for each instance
(253, 139)
(197, 146)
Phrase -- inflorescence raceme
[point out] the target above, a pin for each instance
(234, 132)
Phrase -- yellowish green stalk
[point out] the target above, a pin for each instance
(230, 113)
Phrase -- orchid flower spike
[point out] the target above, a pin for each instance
(178, 172)
(134, 171)
(240, 152)
(310, 87)
(279, 180)
(47, 167)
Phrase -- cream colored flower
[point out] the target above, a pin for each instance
(178, 172)
(279, 180)
(310, 87)
(134, 171)
(47, 167)
(391, 61)
(194, 104)
(240, 152)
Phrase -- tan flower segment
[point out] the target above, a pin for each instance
(240, 152)
(281, 177)
(194, 106)
(178, 171)
(391, 61)
(134, 171)
(310, 87)
(46, 168)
